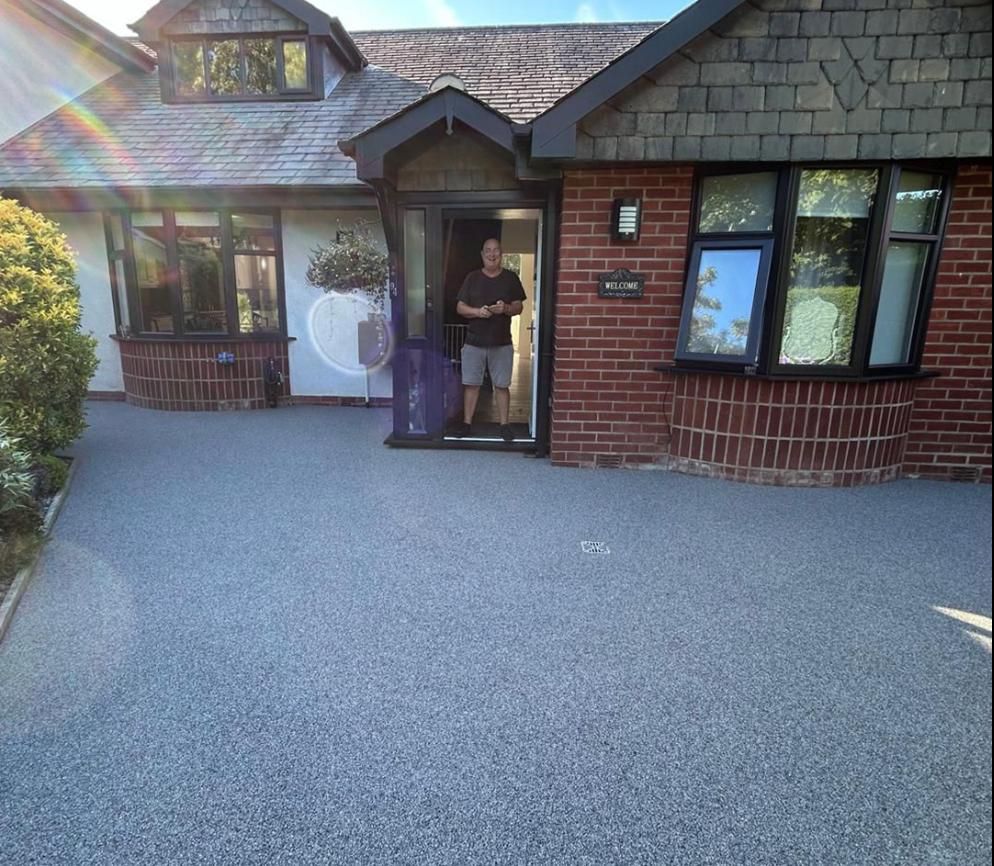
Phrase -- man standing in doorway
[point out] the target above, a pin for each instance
(489, 297)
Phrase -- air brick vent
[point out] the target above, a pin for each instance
(608, 461)
(969, 474)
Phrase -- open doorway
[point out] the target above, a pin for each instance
(463, 236)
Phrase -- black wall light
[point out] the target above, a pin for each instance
(626, 219)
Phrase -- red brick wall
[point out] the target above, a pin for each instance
(951, 417)
(818, 434)
(611, 407)
(607, 399)
(185, 376)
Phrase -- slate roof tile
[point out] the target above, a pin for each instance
(120, 133)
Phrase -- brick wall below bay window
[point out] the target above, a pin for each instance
(186, 376)
(950, 432)
(609, 404)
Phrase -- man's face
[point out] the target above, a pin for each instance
(491, 255)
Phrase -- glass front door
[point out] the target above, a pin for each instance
(416, 364)
(440, 246)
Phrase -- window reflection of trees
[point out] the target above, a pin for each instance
(225, 67)
(738, 202)
(704, 339)
(260, 66)
(826, 268)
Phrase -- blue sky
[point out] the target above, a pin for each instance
(383, 14)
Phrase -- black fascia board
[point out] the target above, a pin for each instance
(369, 147)
(78, 27)
(343, 43)
(554, 131)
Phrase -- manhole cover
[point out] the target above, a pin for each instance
(594, 547)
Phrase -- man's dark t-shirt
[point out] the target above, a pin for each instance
(479, 290)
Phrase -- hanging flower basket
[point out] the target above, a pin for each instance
(352, 264)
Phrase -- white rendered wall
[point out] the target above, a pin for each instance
(85, 233)
(42, 69)
(324, 360)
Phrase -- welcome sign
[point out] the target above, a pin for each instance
(621, 283)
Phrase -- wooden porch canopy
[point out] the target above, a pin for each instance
(371, 147)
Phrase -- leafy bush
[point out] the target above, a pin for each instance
(52, 472)
(352, 264)
(45, 362)
(17, 505)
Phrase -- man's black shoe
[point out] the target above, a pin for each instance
(506, 433)
(460, 429)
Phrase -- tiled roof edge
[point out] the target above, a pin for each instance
(77, 26)
(546, 26)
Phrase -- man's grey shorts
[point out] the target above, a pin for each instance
(498, 359)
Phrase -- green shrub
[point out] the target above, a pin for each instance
(45, 362)
(17, 506)
(52, 471)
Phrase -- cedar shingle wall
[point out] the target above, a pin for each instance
(458, 163)
(951, 419)
(811, 80)
(232, 16)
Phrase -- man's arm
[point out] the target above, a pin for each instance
(468, 312)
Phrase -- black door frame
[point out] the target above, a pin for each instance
(546, 201)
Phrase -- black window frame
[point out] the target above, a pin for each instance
(879, 236)
(751, 354)
(115, 255)
(228, 283)
(281, 65)
(283, 93)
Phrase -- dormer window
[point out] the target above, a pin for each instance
(247, 50)
(240, 67)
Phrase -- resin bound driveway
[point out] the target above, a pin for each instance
(265, 638)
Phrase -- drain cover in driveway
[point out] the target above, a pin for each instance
(594, 547)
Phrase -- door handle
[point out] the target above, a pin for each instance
(429, 303)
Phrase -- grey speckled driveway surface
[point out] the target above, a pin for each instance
(265, 638)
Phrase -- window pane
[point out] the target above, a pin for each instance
(738, 202)
(253, 231)
(148, 237)
(188, 68)
(224, 62)
(295, 64)
(723, 299)
(415, 290)
(260, 66)
(116, 232)
(417, 391)
(121, 287)
(198, 238)
(904, 271)
(255, 281)
(826, 270)
(917, 204)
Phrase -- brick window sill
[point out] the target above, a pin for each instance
(206, 338)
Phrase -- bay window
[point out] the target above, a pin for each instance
(818, 270)
(195, 273)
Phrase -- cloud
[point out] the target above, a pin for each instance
(442, 14)
(585, 13)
